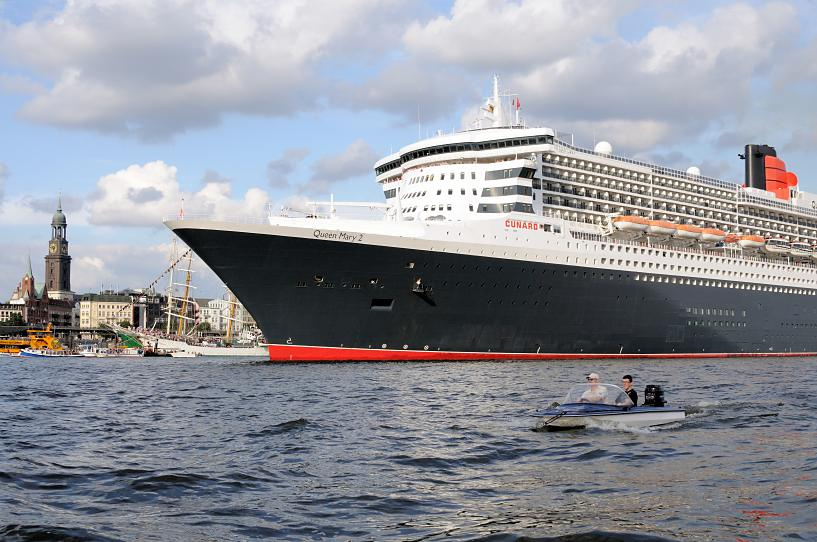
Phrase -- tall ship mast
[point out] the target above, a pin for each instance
(178, 293)
(505, 241)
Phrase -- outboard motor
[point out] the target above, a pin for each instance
(653, 396)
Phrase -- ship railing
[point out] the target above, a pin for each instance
(237, 219)
(654, 168)
(787, 207)
(328, 210)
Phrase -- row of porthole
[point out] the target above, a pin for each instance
(724, 284)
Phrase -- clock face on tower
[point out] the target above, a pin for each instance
(52, 248)
(64, 249)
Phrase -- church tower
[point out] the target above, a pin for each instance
(58, 262)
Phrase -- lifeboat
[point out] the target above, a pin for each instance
(800, 248)
(660, 227)
(635, 224)
(731, 238)
(777, 246)
(687, 232)
(751, 241)
(712, 235)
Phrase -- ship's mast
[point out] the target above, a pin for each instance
(170, 287)
(183, 311)
(231, 315)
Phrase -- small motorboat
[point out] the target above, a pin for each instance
(46, 353)
(184, 354)
(592, 404)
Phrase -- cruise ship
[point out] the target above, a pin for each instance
(505, 241)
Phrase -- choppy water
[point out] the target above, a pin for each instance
(225, 449)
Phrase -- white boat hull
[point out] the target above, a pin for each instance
(775, 249)
(180, 346)
(638, 419)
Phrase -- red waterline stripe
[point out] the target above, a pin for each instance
(285, 352)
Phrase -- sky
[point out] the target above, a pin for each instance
(129, 107)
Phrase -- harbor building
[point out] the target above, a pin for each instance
(36, 304)
(105, 308)
(9, 312)
(149, 309)
(216, 313)
(139, 308)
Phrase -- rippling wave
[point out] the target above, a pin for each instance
(230, 449)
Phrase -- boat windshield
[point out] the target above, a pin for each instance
(600, 394)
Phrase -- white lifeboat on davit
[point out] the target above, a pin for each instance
(688, 232)
(751, 241)
(777, 246)
(801, 248)
(629, 223)
(712, 235)
(660, 227)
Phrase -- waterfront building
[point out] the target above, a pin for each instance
(9, 312)
(58, 262)
(149, 309)
(216, 312)
(36, 304)
(105, 308)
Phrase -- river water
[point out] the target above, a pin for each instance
(238, 449)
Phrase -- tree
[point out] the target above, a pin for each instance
(125, 323)
(205, 326)
(15, 320)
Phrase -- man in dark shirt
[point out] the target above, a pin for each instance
(627, 380)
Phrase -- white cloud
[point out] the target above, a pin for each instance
(677, 81)
(728, 67)
(115, 266)
(120, 266)
(143, 195)
(279, 170)
(355, 160)
(491, 35)
(202, 59)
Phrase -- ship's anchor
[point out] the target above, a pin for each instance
(423, 292)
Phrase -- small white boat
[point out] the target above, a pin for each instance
(800, 248)
(43, 353)
(93, 351)
(777, 246)
(592, 404)
(126, 352)
(184, 354)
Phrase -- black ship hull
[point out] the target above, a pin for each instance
(328, 300)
